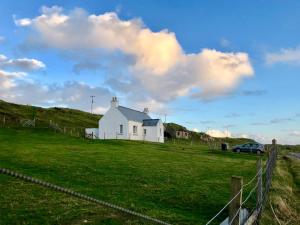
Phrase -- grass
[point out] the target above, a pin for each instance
(285, 191)
(13, 113)
(181, 184)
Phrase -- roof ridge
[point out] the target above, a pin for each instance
(132, 109)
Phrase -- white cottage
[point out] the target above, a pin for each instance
(124, 123)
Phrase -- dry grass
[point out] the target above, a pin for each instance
(284, 194)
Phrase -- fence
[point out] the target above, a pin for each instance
(9, 122)
(79, 195)
(237, 205)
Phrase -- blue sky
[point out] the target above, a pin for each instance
(216, 66)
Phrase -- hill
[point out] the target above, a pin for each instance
(200, 137)
(14, 113)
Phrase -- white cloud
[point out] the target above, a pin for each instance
(224, 42)
(295, 133)
(7, 79)
(195, 130)
(284, 56)
(100, 110)
(21, 64)
(256, 137)
(22, 22)
(70, 94)
(219, 133)
(158, 69)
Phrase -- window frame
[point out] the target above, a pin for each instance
(134, 130)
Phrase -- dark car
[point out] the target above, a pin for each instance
(249, 147)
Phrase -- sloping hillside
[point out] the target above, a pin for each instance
(65, 117)
(14, 113)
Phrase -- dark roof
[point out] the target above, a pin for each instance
(150, 122)
(133, 115)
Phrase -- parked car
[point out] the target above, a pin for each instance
(249, 147)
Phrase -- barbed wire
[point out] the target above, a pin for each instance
(79, 195)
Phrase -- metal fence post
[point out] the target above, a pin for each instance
(235, 205)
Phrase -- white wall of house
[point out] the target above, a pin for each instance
(109, 125)
(154, 133)
(137, 135)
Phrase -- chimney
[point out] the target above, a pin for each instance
(114, 102)
(146, 110)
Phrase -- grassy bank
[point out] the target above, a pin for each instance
(285, 191)
(177, 183)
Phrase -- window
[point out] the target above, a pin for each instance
(135, 129)
(145, 131)
(121, 128)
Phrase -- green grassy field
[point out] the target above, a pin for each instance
(181, 184)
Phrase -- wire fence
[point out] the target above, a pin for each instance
(81, 196)
(260, 193)
(10, 122)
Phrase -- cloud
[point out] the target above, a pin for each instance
(229, 126)
(21, 64)
(219, 133)
(254, 92)
(22, 22)
(281, 120)
(290, 55)
(233, 115)
(195, 130)
(14, 70)
(16, 87)
(207, 121)
(295, 133)
(7, 79)
(224, 42)
(157, 67)
(259, 124)
(256, 137)
(69, 94)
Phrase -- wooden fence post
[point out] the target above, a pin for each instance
(235, 205)
(259, 185)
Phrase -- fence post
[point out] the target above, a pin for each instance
(259, 185)
(235, 205)
(4, 121)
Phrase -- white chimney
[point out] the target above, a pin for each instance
(146, 110)
(114, 102)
